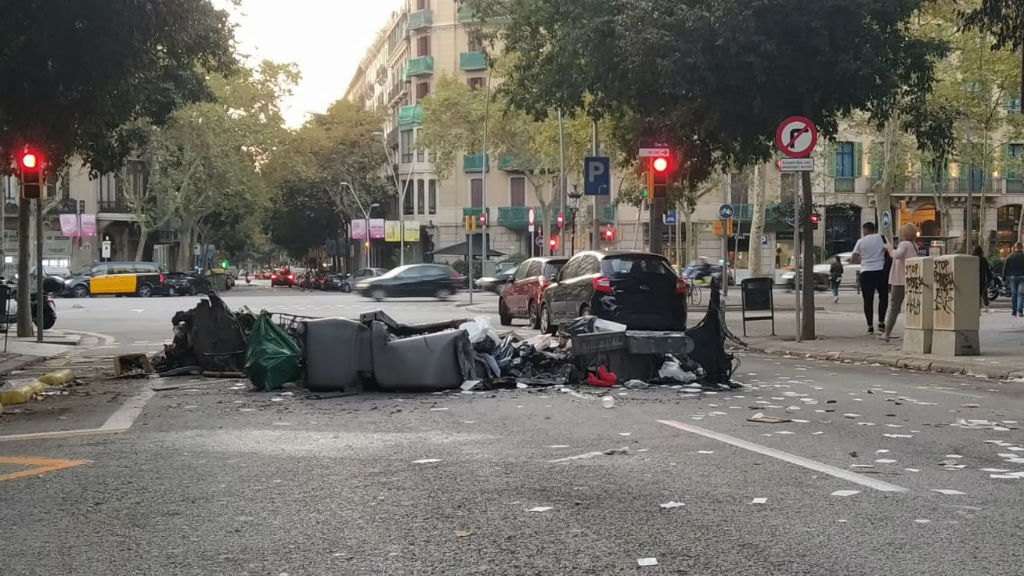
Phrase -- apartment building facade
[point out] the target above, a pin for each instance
(423, 40)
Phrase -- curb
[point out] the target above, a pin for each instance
(907, 363)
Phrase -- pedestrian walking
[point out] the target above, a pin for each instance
(1013, 274)
(835, 276)
(870, 253)
(984, 274)
(898, 275)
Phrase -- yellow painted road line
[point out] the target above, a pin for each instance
(39, 466)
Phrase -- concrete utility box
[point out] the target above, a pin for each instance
(957, 306)
(919, 306)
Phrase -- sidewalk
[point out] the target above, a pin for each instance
(841, 335)
(22, 352)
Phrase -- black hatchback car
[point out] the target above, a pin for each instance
(638, 289)
(414, 280)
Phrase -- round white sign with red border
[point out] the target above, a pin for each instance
(530, 215)
(796, 137)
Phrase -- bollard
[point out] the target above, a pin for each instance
(957, 306)
(919, 302)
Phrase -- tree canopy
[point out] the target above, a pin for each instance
(78, 72)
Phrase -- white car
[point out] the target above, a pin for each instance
(851, 271)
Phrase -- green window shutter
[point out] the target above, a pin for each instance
(858, 159)
(877, 160)
(830, 160)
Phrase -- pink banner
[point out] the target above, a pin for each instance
(69, 225)
(377, 228)
(357, 229)
(88, 224)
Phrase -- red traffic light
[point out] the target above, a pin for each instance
(561, 219)
(29, 160)
(609, 234)
(483, 218)
(815, 218)
(660, 165)
(553, 242)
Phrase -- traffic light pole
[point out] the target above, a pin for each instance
(595, 241)
(40, 297)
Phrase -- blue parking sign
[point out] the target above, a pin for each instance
(597, 177)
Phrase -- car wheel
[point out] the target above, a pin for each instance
(534, 317)
(172, 291)
(346, 287)
(503, 316)
(144, 291)
(49, 319)
(546, 326)
(443, 293)
(80, 291)
(379, 294)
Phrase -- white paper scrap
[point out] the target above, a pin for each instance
(647, 562)
(948, 492)
(759, 501)
(672, 504)
(885, 461)
(426, 461)
(845, 492)
(1005, 476)
(705, 451)
(540, 509)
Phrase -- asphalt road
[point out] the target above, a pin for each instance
(870, 475)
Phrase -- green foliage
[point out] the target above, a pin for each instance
(712, 78)
(461, 267)
(77, 73)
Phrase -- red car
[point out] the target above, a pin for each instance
(523, 296)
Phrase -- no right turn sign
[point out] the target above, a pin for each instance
(796, 137)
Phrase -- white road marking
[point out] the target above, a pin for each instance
(129, 412)
(787, 457)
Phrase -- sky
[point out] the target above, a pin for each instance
(326, 38)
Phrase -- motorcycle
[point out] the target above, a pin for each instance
(49, 309)
(997, 286)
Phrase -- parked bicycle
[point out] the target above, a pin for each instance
(694, 295)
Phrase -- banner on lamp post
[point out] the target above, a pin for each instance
(357, 229)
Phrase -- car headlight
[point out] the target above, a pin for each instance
(362, 285)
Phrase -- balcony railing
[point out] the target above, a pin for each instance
(1015, 186)
(420, 19)
(845, 185)
(419, 66)
(116, 206)
(472, 61)
(410, 116)
(607, 214)
(518, 217)
(475, 163)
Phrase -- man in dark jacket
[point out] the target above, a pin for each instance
(1013, 274)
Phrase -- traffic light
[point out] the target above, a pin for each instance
(660, 165)
(815, 218)
(609, 234)
(659, 176)
(483, 219)
(561, 219)
(553, 244)
(30, 166)
(224, 264)
(645, 193)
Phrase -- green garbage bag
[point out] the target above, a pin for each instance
(272, 358)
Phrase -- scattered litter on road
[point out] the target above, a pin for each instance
(558, 446)
(844, 493)
(954, 456)
(470, 385)
(851, 416)
(624, 433)
(922, 521)
(948, 492)
(862, 466)
(438, 409)
(463, 533)
(885, 461)
(759, 501)
(883, 451)
(898, 435)
(426, 461)
(705, 451)
(540, 509)
(979, 425)
(1005, 477)
(672, 504)
(647, 562)
(636, 385)
(608, 401)
(589, 455)
(761, 418)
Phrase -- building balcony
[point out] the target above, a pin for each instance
(845, 185)
(418, 66)
(1015, 185)
(472, 61)
(467, 15)
(518, 217)
(512, 163)
(410, 116)
(474, 163)
(419, 20)
(115, 206)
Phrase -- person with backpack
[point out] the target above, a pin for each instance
(835, 276)
(872, 256)
(1013, 275)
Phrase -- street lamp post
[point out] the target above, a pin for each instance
(366, 217)
(400, 190)
(575, 196)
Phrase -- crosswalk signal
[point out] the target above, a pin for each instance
(483, 219)
(30, 168)
(553, 244)
(815, 219)
(609, 234)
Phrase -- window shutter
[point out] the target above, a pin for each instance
(858, 159)
(830, 160)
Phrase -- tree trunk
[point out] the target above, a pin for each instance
(24, 256)
(185, 255)
(691, 240)
(755, 256)
(143, 235)
(883, 193)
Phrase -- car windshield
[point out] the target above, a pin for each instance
(553, 267)
(83, 271)
(397, 271)
(626, 265)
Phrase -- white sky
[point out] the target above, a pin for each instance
(326, 38)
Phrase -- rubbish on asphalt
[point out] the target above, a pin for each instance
(844, 493)
(613, 452)
(183, 371)
(980, 425)
(637, 385)
(469, 385)
(211, 374)
(672, 504)
(647, 562)
(948, 492)
(426, 461)
(759, 501)
(851, 416)
(898, 435)
(132, 366)
(885, 461)
(463, 533)
(480, 328)
(57, 377)
(337, 355)
(209, 336)
(540, 509)
(761, 418)
(272, 357)
(608, 402)
(673, 371)
(20, 391)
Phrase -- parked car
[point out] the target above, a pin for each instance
(361, 275)
(422, 280)
(334, 282)
(179, 284)
(497, 282)
(638, 289)
(115, 278)
(524, 295)
(283, 277)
